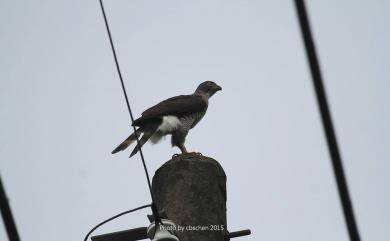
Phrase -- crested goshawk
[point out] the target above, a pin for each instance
(174, 116)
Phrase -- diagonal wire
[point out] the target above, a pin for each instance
(154, 209)
(112, 218)
(8, 219)
(327, 122)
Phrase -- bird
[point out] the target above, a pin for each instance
(174, 116)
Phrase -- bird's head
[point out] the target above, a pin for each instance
(208, 88)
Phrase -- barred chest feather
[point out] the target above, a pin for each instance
(187, 122)
(190, 120)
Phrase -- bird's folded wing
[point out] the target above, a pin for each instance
(178, 106)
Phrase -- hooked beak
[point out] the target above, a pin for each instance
(217, 88)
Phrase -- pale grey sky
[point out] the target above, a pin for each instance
(62, 111)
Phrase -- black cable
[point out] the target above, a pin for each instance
(6, 213)
(327, 122)
(114, 217)
(155, 214)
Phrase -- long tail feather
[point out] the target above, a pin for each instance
(126, 143)
(142, 141)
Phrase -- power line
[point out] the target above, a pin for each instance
(114, 217)
(154, 208)
(327, 122)
(6, 213)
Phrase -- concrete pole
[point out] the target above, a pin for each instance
(191, 188)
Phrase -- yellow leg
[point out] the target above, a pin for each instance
(183, 149)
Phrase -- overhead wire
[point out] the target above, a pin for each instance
(327, 122)
(154, 208)
(6, 213)
(114, 217)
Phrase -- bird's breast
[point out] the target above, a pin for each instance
(189, 121)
